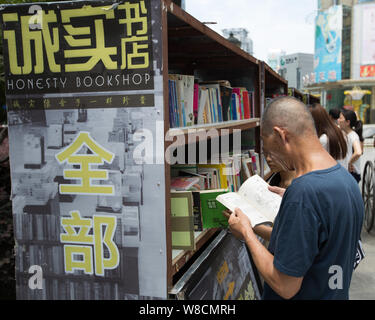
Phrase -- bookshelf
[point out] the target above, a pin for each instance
(306, 98)
(311, 99)
(297, 94)
(192, 48)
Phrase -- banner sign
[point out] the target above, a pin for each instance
(328, 45)
(83, 82)
(363, 59)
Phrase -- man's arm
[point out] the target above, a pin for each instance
(285, 286)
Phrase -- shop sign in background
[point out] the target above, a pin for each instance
(328, 45)
(82, 80)
(363, 60)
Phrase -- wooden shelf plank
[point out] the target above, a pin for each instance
(180, 257)
(231, 125)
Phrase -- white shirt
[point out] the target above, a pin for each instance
(325, 143)
(352, 137)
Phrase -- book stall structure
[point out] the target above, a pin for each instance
(306, 98)
(126, 122)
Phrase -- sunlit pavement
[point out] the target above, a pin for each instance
(363, 281)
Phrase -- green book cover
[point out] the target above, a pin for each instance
(182, 221)
(212, 210)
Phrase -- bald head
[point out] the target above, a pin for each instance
(288, 113)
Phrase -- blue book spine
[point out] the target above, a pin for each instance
(242, 109)
(176, 104)
(212, 106)
(219, 106)
(234, 107)
(171, 113)
(183, 114)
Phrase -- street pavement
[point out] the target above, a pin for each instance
(363, 281)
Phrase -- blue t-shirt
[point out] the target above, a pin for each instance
(316, 233)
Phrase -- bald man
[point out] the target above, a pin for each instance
(315, 234)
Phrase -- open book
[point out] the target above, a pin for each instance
(254, 199)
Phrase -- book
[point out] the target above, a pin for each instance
(233, 106)
(182, 221)
(255, 200)
(212, 210)
(184, 183)
(222, 181)
(203, 100)
(196, 102)
(198, 223)
(237, 92)
(225, 95)
(246, 104)
(188, 92)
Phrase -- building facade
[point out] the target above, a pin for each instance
(326, 4)
(274, 58)
(294, 67)
(354, 86)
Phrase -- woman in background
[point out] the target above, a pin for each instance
(279, 177)
(353, 128)
(334, 114)
(330, 135)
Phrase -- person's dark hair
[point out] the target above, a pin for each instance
(355, 124)
(324, 125)
(334, 113)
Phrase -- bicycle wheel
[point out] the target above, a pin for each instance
(368, 195)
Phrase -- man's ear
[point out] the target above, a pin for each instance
(281, 133)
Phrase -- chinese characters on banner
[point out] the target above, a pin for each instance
(367, 71)
(85, 177)
(82, 79)
(71, 49)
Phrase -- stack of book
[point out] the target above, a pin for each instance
(194, 191)
(192, 103)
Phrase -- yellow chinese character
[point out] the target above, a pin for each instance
(62, 103)
(85, 174)
(78, 103)
(130, 20)
(16, 104)
(83, 47)
(76, 221)
(31, 104)
(102, 263)
(108, 100)
(135, 15)
(222, 273)
(83, 244)
(72, 264)
(128, 57)
(46, 103)
(41, 38)
(143, 100)
(125, 101)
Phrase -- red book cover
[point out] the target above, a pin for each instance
(237, 91)
(246, 104)
(196, 102)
